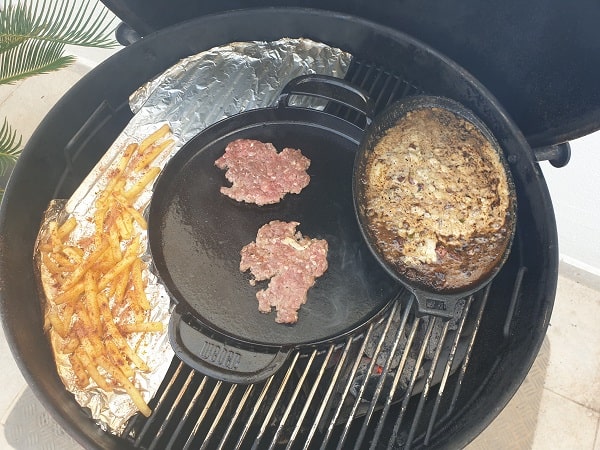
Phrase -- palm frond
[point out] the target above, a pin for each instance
(10, 146)
(32, 58)
(83, 23)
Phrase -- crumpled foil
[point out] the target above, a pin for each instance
(191, 95)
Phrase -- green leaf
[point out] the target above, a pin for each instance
(10, 147)
(83, 23)
(32, 58)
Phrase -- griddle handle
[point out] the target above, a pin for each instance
(329, 88)
(219, 360)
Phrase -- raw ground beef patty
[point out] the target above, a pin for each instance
(291, 260)
(261, 175)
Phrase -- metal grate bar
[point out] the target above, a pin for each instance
(384, 372)
(219, 415)
(275, 402)
(233, 420)
(310, 398)
(327, 396)
(254, 413)
(363, 386)
(465, 364)
(413, 378)
(399, 371)
(187, 413)
(207, 406)
(428, 381)
(293, 398)
(171, 411)
(349, 380)
(447, 369)
(154, 417)
(513, 301)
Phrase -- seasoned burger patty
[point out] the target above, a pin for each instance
(437, 200)
(261, 175)
(290, 260)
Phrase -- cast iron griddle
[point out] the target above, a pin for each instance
(196, 233)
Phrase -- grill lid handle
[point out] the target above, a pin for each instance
(219, 360)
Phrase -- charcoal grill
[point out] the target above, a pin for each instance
(406, 381)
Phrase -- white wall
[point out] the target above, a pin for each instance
(575, 192)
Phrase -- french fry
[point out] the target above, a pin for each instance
(64, 262)
(99, 217)
(50, 264)
(121, 285)
(73, 253)
(80, 271)
(91, 302)
(121, 266)
(79, 371)
(69, 345)
(120, 377)
(55, 240)
(139, 186)
(116, 335)
(90, 367)
(119, 359)
(142, 327)
(70, 295)
(116, 178)
(57, 324)
(115, 245)
(138, 218)
(153, 138)
(124, 232)
(152, 154)
(66, 228)
(138, 285)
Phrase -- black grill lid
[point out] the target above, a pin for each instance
(540, 58)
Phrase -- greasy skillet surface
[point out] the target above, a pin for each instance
(196, 233)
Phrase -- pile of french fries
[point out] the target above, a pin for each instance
(99, 304)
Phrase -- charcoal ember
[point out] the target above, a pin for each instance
(407, 373)
(386, 349)
(458, 312)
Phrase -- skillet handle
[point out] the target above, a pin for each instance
(329, 88)
(212, 357)
(443, 306)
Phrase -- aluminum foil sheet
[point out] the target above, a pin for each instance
(191, 95)
(215, 84)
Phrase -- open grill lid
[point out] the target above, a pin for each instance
(540, 58)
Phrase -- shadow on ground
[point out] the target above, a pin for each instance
(29, 426)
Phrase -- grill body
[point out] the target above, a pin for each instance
(508, 322)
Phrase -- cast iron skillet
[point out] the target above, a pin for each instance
(196, 234)
(429, 301)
